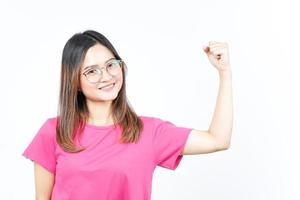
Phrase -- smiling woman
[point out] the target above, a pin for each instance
(109, 81)
(97, 140)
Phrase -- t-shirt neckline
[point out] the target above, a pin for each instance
(109, 126)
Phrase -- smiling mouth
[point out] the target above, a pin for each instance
(107, 86)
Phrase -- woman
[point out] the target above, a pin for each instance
(97, 147)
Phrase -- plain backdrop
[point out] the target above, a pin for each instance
(170, 77)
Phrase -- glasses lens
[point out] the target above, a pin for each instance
(93, 75)
(114, 67)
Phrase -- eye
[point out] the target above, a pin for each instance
(112, 64)
(92, 72)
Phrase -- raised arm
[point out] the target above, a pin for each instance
(218, 136)
(44, 181)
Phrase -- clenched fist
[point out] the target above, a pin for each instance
(218, 55)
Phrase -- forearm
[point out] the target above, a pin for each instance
(221, 124)
(44, 182)
(42, 198)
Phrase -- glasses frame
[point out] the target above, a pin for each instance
(121, 62)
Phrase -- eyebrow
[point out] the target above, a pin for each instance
(98, 65)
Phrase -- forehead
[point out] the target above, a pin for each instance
(97, 55)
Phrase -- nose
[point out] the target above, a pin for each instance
(105, 74)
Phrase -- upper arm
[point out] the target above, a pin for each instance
(44, 181)
(200, 142)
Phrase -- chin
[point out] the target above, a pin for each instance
(107, 97)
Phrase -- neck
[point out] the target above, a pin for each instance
(100, 113)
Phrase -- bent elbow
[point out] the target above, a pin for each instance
(223, 146)
(227, 146)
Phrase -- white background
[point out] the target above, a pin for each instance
(169, 77)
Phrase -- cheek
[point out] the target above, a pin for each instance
(85, 87)
(120, 81)
(82, 84)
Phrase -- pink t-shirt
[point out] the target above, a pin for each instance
(107, 169)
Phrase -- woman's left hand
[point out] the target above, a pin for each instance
(218, 55)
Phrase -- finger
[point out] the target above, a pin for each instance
(216, 47)
(216, 42)
(220, 44)
(212, 42)
(219, 55)
(217, 51)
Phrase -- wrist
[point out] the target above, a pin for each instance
(225, 74)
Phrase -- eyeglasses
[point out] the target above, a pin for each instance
(94, 74)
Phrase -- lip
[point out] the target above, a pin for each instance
(107, 89)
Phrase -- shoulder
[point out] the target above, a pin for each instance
(153, 121)
(52, 121)
(48, 128)
(149, 119)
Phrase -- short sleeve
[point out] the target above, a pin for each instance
(168, 143)
(42, 147)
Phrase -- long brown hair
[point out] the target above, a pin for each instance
(72, 110)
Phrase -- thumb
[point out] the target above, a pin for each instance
(206, 49)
